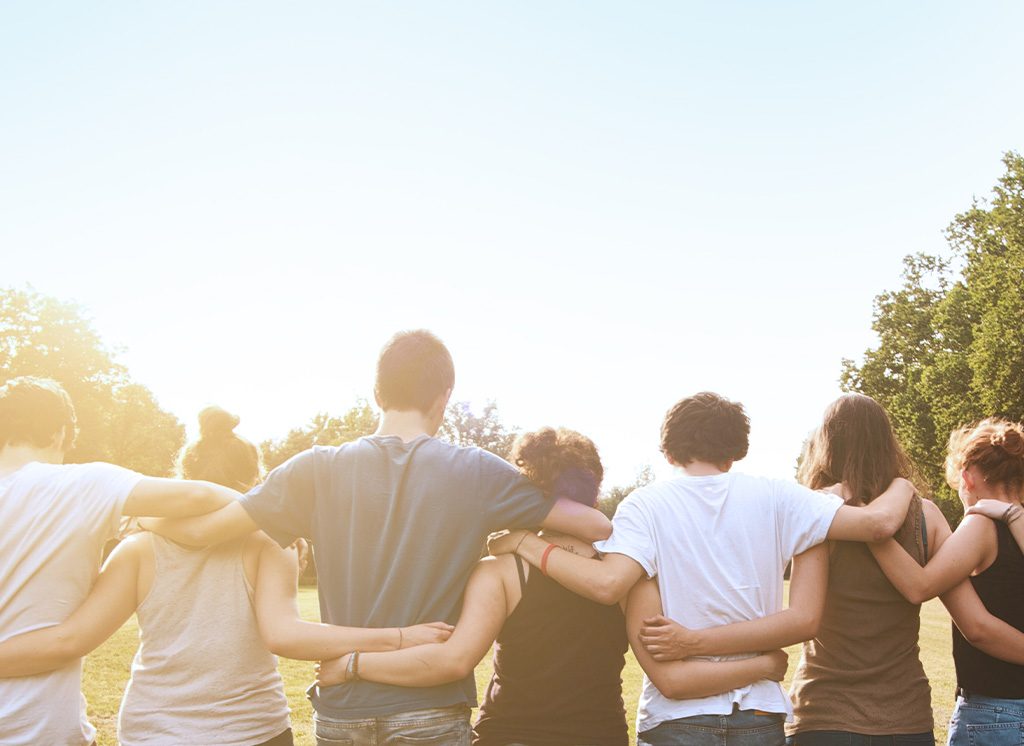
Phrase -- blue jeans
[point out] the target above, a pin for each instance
(845, 738)
(741, 728)
(986, 721)
(442, 726)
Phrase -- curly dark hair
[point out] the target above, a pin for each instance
(705, 427)
(561, 462)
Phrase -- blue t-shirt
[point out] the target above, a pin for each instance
(396, 528)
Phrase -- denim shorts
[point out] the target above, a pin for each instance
(442, 726)
(986, 721)
(845, 738)
(741, 728)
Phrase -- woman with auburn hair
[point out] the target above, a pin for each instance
(559, 657)
(985, 462)
(208, 621)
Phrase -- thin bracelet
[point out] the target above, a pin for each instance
(1010, 517)
(355, 665)
(521, 540)
(399, 638)
(544, 559)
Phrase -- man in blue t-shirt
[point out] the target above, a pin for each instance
(398, 520)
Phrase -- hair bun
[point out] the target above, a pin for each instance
(1010, 439)
(216, 422)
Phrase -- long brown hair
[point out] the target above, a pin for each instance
(854, 445)
(994, 445)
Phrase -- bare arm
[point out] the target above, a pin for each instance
(691, 679)
(110, 602)
(285, 633)
(667, 640)
(176, 498)
(997, 510)
(878, 520)
(229, 522)
(484, 611)
(954, 561)
(576, 519)
(987, 633)
(606, 580)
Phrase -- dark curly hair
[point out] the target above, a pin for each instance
(705, 427)
(561, 462)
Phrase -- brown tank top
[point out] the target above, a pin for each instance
(863, 672)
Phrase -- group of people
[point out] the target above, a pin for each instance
(689, 574)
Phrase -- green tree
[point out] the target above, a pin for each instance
(323, 429)
(608, 503)
(119, 420)
(951, 338)
(485, 430)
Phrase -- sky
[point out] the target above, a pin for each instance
(600, 207)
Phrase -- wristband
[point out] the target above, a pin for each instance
(1011, 513)
(521, 540)
(544, 560)
(399, 638)
(352, 668)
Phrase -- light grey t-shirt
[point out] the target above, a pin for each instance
(397, 528)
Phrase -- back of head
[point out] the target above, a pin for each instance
(561, 462)
(34, 411)
(705, 427)
(855, 445)
(414, 368)
(995, 446)
(220, 455)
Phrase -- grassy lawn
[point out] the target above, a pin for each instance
(106, 672)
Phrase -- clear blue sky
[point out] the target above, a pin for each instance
(601, 207)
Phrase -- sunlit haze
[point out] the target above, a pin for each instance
(599, 207)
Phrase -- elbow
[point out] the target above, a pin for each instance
(974, 631)
(808, 627)
(883, 527)
(459, 667)
(606, 591)
(276, 642)
(599, 529)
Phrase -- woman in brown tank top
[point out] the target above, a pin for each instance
(559, 658)
(860, 680)
(985, 464)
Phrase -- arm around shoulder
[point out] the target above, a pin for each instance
(878, 520)
(176, 498)
(573, 518)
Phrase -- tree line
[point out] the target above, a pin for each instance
(950, 350)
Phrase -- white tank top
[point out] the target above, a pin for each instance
(202, 675)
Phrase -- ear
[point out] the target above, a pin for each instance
(967, 479)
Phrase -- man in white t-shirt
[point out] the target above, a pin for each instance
(717, 544)
(56, 519)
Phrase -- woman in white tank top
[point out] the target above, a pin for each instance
(208, 621)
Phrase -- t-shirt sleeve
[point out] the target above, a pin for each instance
(511, 500)
(804, 516)
(283, 504)
(108, 489)
(632, 536)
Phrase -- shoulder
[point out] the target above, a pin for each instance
(99, 471)
(932, 512)
(134, 548)
(495, 571)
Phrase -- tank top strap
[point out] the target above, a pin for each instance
(521, 571)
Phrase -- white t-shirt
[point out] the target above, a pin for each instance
(55, 521)
(718, 546)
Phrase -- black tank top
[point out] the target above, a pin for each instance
(557, 672)
(1001, 589)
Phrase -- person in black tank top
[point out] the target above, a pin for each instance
(985, 463)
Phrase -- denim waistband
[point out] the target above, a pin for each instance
(1015, 705)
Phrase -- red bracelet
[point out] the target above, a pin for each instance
(544, 560)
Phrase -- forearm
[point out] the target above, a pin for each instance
(774, 631)
(692, 679)
(912, 581)
(230, 522)
(40, 651)
(312, 641)
(983, 631)
(424, 665)
(587, 577)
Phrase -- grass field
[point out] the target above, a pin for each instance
(106, 672)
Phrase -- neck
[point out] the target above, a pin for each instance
(407, 425)
(13, 457)
(704, 469)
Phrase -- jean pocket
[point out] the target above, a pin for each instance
(321, 741)
(449, 733)
(996, 734)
